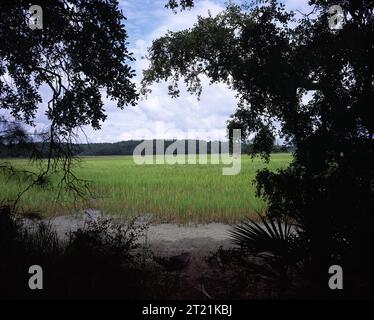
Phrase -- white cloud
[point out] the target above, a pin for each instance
(160, 116)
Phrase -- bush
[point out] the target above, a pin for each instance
(277, 251)
(100, 260)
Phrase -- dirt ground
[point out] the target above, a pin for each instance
(195, 241)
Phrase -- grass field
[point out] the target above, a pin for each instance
(170, 193)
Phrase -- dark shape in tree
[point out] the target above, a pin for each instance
(80, 53)
(182, 4)
(272, 60)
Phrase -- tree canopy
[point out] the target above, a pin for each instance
(298, 78)
(78, 56)
(80, 51)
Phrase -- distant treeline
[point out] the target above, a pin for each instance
(122, 148)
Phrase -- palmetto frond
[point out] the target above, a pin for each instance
(274, 235)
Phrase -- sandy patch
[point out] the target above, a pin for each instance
(163, 239)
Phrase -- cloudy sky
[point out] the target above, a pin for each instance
(160, 116)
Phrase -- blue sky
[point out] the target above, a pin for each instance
(160, 116)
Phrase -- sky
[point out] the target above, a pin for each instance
(160, 116)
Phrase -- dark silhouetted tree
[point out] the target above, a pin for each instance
(78, 55)
(274, 60)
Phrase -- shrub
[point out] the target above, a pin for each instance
(100, 260)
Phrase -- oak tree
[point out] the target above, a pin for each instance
(297, 78)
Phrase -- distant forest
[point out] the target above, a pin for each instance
(24, 150)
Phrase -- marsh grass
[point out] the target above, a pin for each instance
(170, 193)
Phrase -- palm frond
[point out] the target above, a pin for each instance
(272, 235)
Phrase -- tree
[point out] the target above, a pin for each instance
(273, 59)
(80, 54)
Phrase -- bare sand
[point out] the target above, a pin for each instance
(164, 239)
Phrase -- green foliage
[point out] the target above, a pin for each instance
(275, 241)
(183, 4)
(272, 235)
(273, 59)
(80, 51)
(228, 48)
